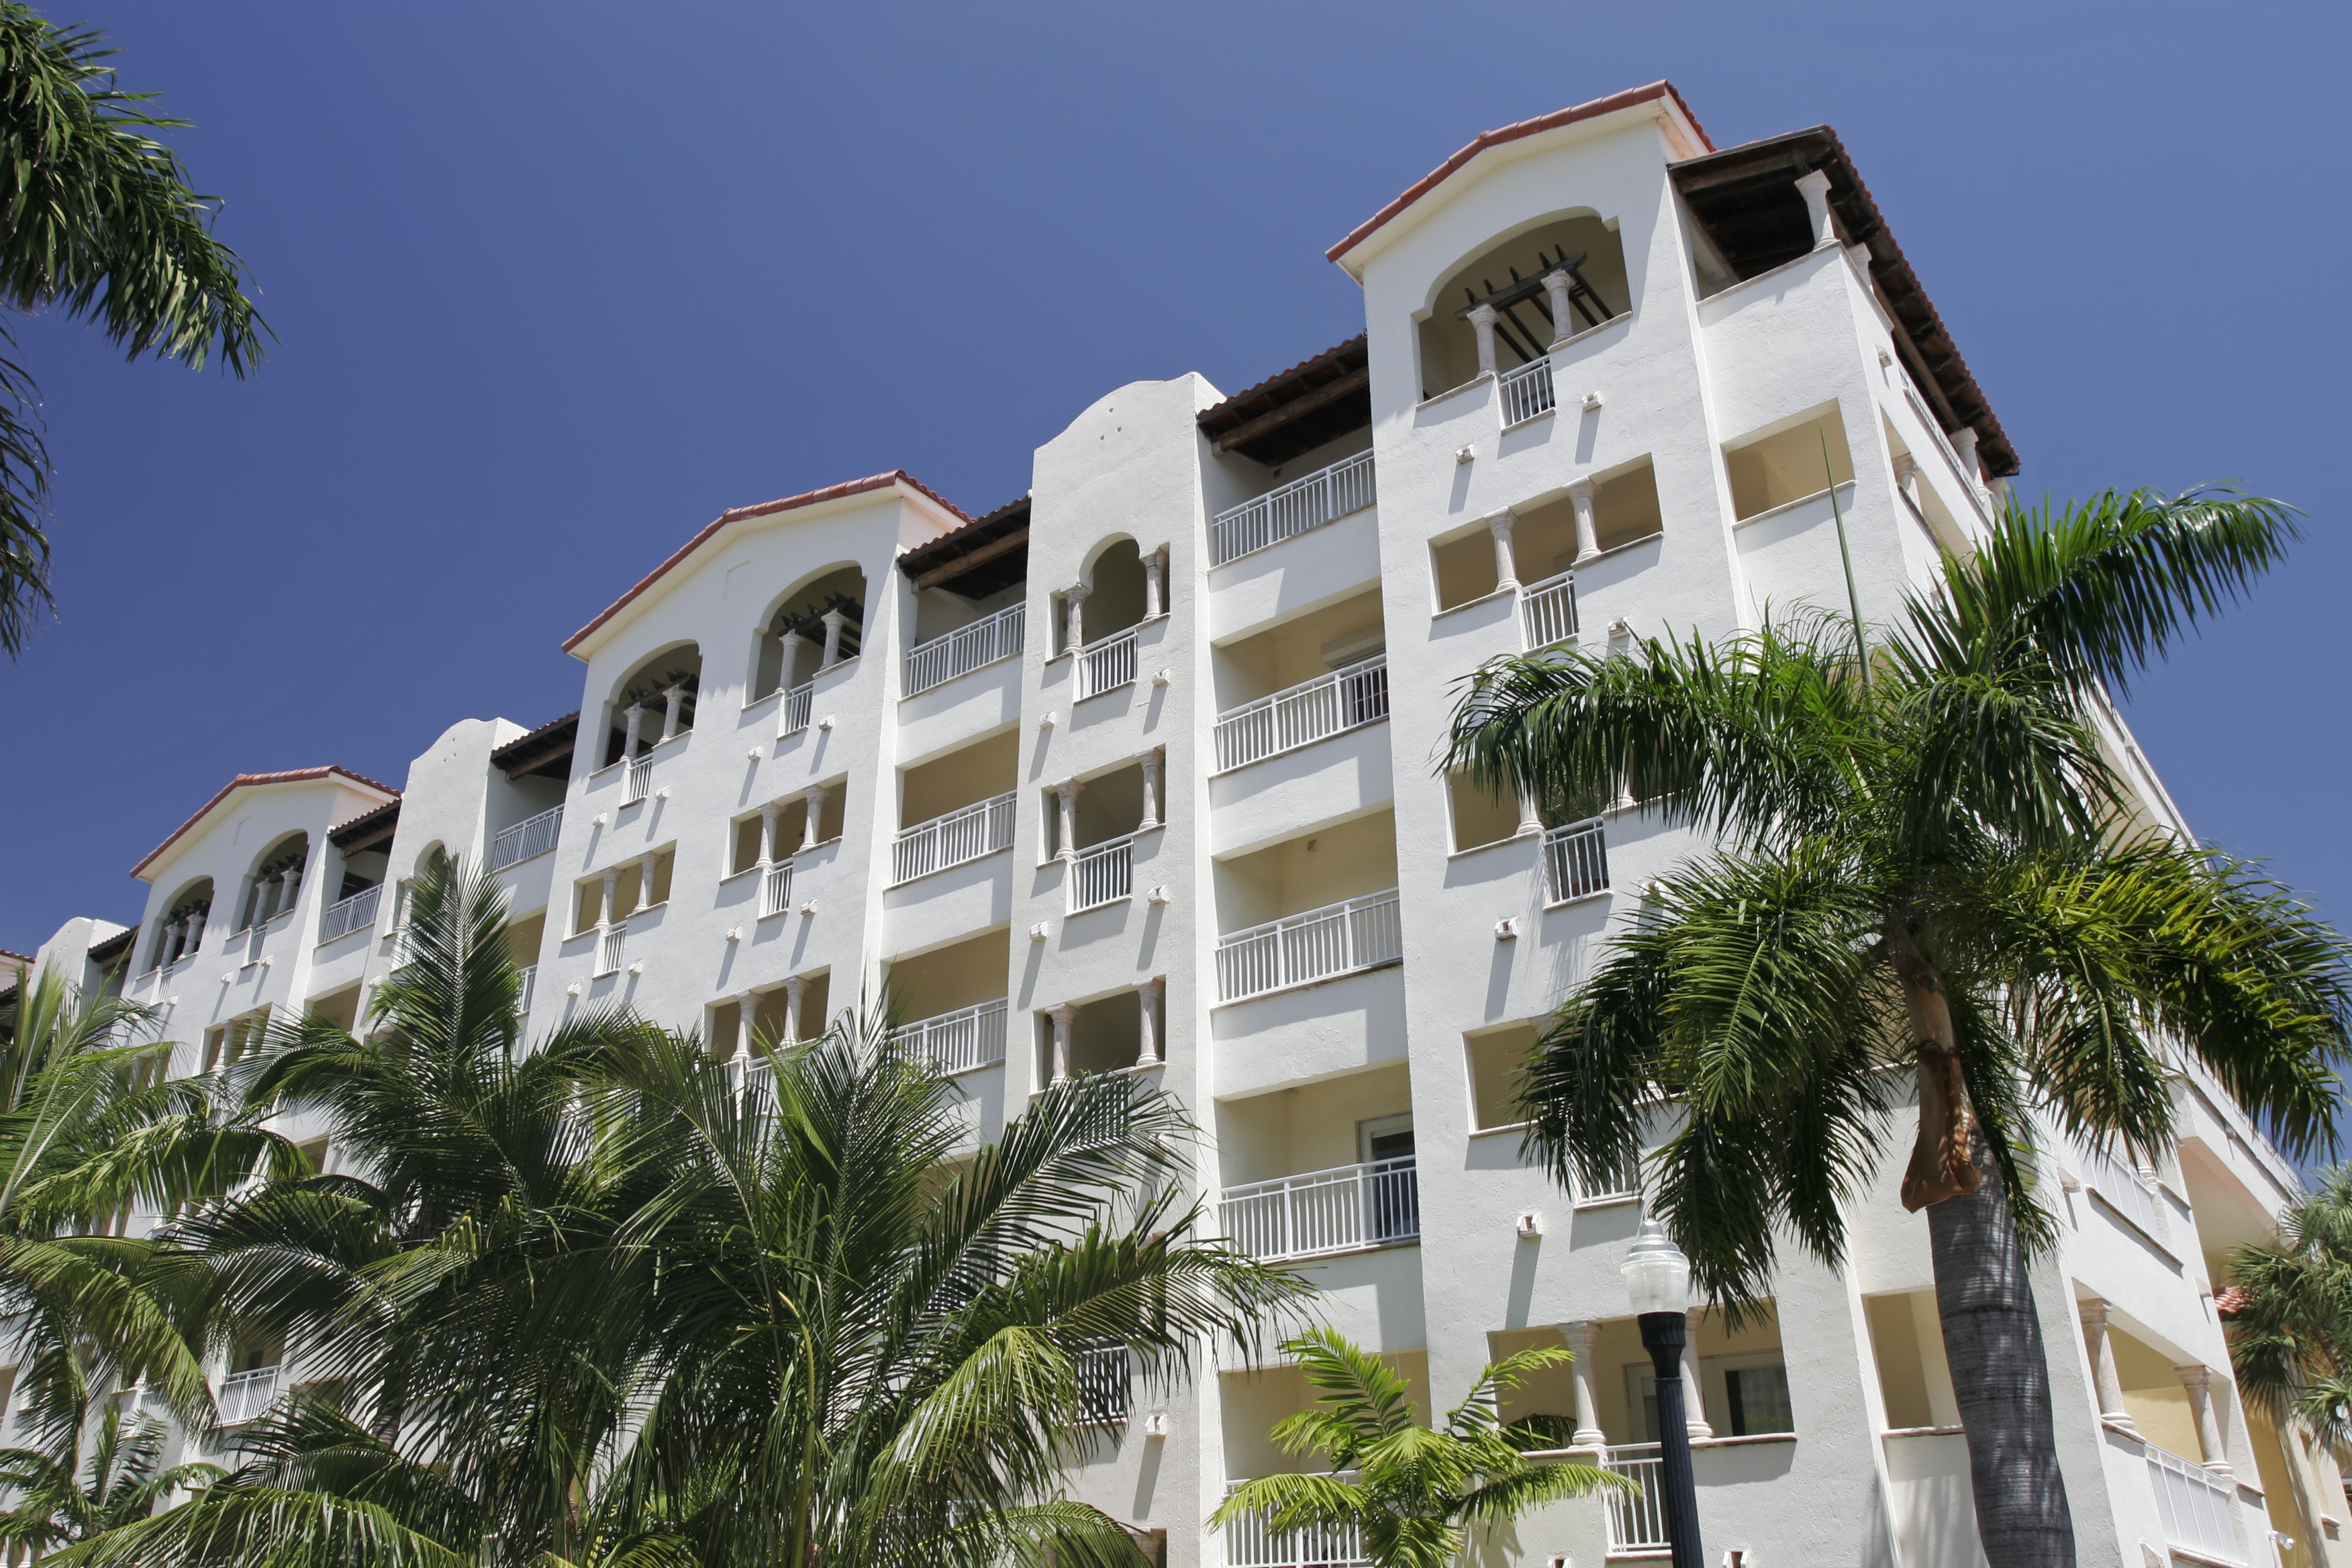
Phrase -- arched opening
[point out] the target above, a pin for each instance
(813, 626)
(181, 929)
(1510, 275)
(276, 880)
(1113, 595)
(655, 704)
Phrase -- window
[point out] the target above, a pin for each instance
(1747, 1395)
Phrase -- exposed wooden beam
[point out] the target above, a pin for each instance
(962, 564)
(1297, 408)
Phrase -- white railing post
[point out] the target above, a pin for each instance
(794, 718)
(1527, 391)
(776, 890)
(1108, 665)
(1548, 611)
(1637, 1519)
(966, 834)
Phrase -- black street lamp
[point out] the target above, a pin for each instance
(1657, 1281)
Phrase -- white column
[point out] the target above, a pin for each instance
(604, 904)
(1506, 566)
(1482, 321)
(1150, 761)
(2199, 1382)
(167, 932)
(2109, 1387)
(814, 798)
(1147, 999)
(672, 696)
(293, 887)
(1588, 534)
(1964, 442)
(1068, 838)
(1906, 477)
(1074, 623)
(636, 715)
(1581, 1336)
(1694, 1391)
(1063, 1016)
(794, 990)
(768, 814)
(276, 904)
(788, 662)
(834, 621)
(193, 922)
(1530, 811)
(1152, 585)
(1563, 314)
(747, 1007)
(645, 864)
(1815, 188)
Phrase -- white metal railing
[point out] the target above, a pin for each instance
(1324, 496)
(1576, 860)
(965, 833)
(1102, 874)
(966, 649)
(244, 1395)
(1625, 1182)
(638, 783)
(792, 716)
(2125, 1189)
(960, 1041)
(1103, 1383)
(533, 836)
(776, 890)
(2194, 1504)
(1337, 1210)
(610, 948)
(1106, 665)
(1637, 1519)
(525, 978)
(1352, 695)
(1251, 1543)
(1526, 390)
(348, 915)
(1548, 610)
(1334, 940)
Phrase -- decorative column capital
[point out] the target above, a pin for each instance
(1815, 188)
(1482, 316)
(834, 618)
(2094, 1312)
(1579, 1333)
(1069, 789)
(1581, 491)
(797, 987)
(1063, 1015)
(1075, 593)
(2196, 1380)
(813, 794)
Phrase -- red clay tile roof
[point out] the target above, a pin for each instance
(292, 776)
(2229, 1302)
(1542, 122)
(764, 509)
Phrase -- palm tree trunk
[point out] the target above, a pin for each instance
(2001, 1377)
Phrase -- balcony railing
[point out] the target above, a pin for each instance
(1353, 695)
(2194, 1504)
(348, 915)
(1251, 1543)
(960, 1041)
(1576, 860)
(1103, 1384)
(1637, 1519)
(525, 839)
(1548, 610)
(1341, 1210)
(1336, 939)
(793, 713)
(966, 649)
(2125, 1189)
(1102, 874)
(776, 890)
(245, 1395)
(1325, 496)
(525, 978)
(965, 833)
(1106, 665)
(1527, 391)
(611, 949)
(639, 781)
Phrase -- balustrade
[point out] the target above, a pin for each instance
(1336, 939)
(1108, 665)
(1251, 1542)
(1304, 504)
(1548, 610)
(1339, 1210)
(1354, 695)
(966, 834)
(1576, 860)
(1102, 874)
(1527, 391)
(348, 915)
(533, 836)
(965, 649)
(960, 1041)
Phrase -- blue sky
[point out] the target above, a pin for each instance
(556, 283)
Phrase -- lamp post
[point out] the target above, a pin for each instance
(1657, 1281)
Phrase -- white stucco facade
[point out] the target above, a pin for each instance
(748, 851)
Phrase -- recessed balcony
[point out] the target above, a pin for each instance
(527, 840)
(965, 649)
(1288, 511)
(963, 1041)
(1346, 1209)
(1349, 698)
(967, 834)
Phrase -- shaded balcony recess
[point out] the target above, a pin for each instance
(1573, 279)
(966, 649)
(978, 561)
(1297, 950)
(526, 839)
(1305, 504)
(1347, 698)
(1345, 1209)
(1290, 413)
(1252, 1543)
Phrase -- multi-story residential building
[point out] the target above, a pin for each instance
(1136, 775)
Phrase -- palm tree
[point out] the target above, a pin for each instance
(2289, 1309)
(123, 1481)
(609, 1301)
(100, 224)
(1926, 863)
(1414, 1493)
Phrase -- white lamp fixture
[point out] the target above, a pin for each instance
(1657, 1275)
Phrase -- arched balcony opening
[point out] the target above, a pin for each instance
(181, 930)
(274, 882)
(815, 625)
(655, 703)
(1505, 307)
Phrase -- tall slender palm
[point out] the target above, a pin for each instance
(122, 1484)
(95, 220)
(1415, 1494)
(611, 1301)
(2289, 1310)
(1934, 869)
